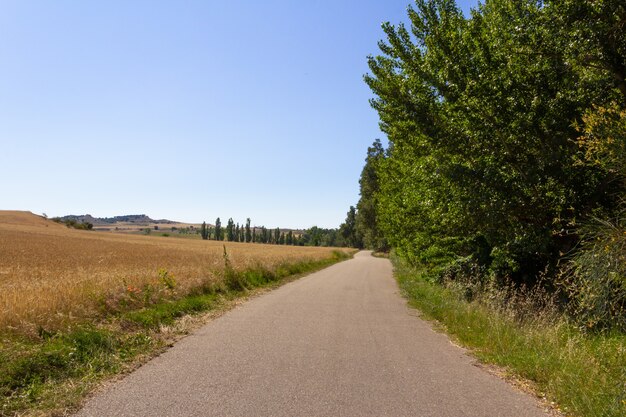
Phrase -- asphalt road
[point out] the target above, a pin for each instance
(339, 342)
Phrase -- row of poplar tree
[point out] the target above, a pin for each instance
(313, 236)
(234, 232)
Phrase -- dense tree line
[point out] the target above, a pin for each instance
(506, 149)
(344, 236)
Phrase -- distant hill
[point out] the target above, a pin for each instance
(138, 219)
(24, 218)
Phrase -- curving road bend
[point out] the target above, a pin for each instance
(339, 342)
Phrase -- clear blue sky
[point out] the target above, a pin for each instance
(188, 110)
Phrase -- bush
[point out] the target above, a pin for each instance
(71, 223)
(466, 275)
(595, 278)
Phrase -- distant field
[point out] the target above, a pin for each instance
(51, 275)
(171, 229)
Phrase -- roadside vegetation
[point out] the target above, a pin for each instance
(503, 184)
(82, 307)
(523, 333)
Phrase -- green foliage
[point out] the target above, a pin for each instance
(316, 236)
(230, 230)
(166, 312)
(233, 280)
(595, 37)
(218, 230)
(346, 235)
(167, 279)
(248, 237)
(204, 231)
(349, 230)
(603, 140)
(595, 277)
(59, 356)
(366, 216)
(480, 113)
(74, 224)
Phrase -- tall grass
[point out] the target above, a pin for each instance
(51, 276)
(585, 374)
(49, 374)
(595, 276)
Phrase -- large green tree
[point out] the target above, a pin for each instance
(248, 231)
(480, 115)
(204, 231)
(230, 230)
(218, 229)
(366, 215)
(349, 230)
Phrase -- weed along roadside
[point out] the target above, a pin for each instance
(580, 374)
(50, 373)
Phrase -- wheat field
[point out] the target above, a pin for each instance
(51, 275)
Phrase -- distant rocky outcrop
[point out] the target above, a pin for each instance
(139, 219)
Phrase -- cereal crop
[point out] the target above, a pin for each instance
(51, 275)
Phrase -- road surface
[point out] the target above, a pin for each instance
(339, 342)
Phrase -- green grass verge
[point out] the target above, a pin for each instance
(51, 374)
(584, 374)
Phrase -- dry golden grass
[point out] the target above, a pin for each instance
(50, 274)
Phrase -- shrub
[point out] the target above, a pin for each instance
(595, 278)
